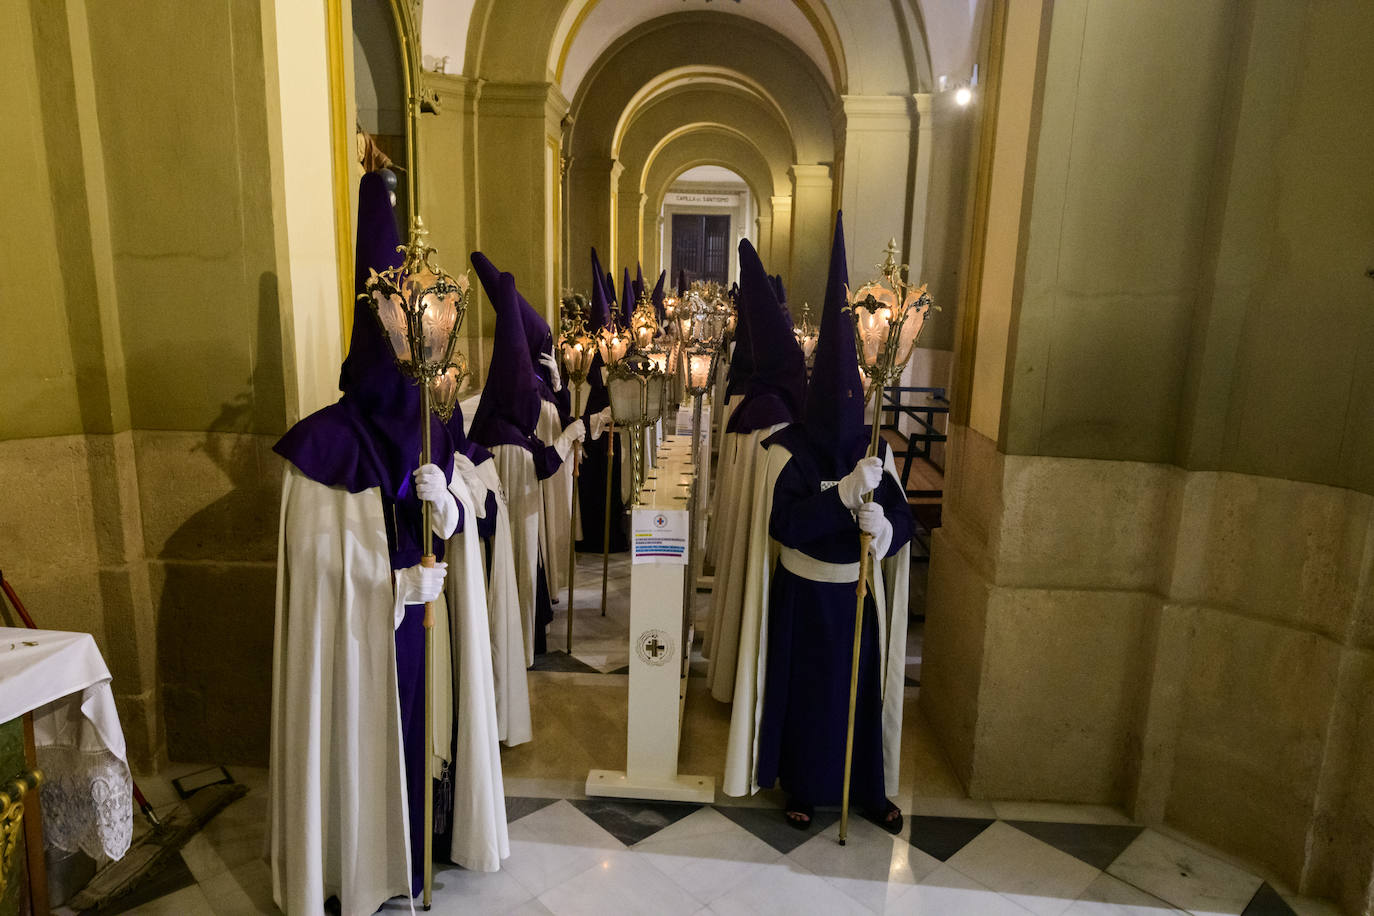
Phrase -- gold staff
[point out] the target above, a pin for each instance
(420, 308)
(888, 316)
(613, 344)
(579, 349)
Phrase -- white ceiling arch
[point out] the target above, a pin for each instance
(779, 178)
(587, 28)
(693, 77)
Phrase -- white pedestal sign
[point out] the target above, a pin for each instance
(658, 682)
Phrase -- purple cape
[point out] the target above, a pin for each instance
(370, 437)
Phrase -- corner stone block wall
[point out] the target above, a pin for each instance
(1194, 646)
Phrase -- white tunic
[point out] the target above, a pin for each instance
(506, 623)
(733, 527)
(337, 815)
(525, 499)
(480, 839)
(556, 524)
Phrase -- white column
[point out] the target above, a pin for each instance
(876, 180)
(811, 225)
(780, 247)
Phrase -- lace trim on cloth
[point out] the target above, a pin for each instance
(87, 801)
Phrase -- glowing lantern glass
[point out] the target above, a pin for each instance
(576, 344)
(445, 387)
(420, 309)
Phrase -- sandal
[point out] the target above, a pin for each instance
(798, 814)
(890, 819)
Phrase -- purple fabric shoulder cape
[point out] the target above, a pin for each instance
(370, 437)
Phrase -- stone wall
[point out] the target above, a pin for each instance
(162, 545)
(147, 375)
(1194, 646)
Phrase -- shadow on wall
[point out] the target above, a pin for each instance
(215, 573)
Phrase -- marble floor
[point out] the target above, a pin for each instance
(571, 854)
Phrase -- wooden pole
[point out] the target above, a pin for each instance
(427, 543)
(606, 517)
(572, 516)
(861, 592)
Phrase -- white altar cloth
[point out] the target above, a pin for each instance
(62, 679)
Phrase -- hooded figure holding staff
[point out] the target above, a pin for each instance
(348, 761)
(792, 690)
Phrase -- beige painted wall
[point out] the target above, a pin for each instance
(1181, 270)
(1001, 246)
(37, 370)
(952, 138)
(149, 505)
(1153, 589)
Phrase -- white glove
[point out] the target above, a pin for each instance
(466, 471)
(551, 363)
(873, 522)
(863, 479)
(420, 584)
(599, 422)
(432, 487)
(575, 431)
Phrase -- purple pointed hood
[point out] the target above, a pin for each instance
(681, 282)
(599, 285)
(598, 318)
(538, 336)
(659, 295)
(834, 412)
(370, 437)
(639, 282)
(775, 392)
(509, 410)
(628, 298)
(741, 367)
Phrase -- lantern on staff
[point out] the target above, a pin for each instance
(578, 349)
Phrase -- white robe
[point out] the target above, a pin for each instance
(525, 499)
(889, 583)
(734, 527)
(506, 623)
(724, 459)
(337, 814)
(556, 524)
(480, 838)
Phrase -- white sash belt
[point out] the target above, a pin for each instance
(808, 567)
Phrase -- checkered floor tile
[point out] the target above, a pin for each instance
(615, 856)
